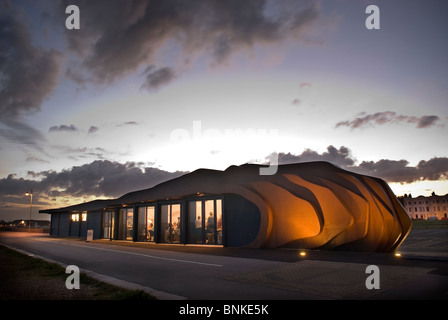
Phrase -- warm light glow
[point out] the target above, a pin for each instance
(398, 254)
(302, 253)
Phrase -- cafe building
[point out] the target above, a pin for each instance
(304, 205)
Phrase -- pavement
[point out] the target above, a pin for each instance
(179, 272)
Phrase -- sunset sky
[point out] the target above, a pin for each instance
(147, 90)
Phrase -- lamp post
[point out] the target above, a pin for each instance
(30, 194)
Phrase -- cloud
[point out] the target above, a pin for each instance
(28, 75)
(118, 38)
(305, 85)
(93, 129)
(159, 77)
(101, 178)
(340, 157)
(296, 102)
(389, 170)
(21, 133)
(381, 118)
(63, 127)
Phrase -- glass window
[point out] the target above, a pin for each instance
(141, 233)
(107, 223)
(84, 217)
(205, 222)
(210, 221)
(150, 211)
(146, 223)
(125, 224)
(195, 222)
(170, 223)
(75, 217)
(219, 221)
(129, 223)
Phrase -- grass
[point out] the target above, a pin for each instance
(26, 278)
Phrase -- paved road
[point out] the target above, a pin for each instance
(234, 274)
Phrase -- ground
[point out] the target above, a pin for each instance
(27, 278)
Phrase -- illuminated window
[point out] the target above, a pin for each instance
(205, 221)
(146, 223)
(170, 223)
(84, 217)
(75, 217)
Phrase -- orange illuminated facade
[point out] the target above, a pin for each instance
(312, 205)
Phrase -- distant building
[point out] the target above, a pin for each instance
(432, 207)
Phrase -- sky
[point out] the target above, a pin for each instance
(145, 91)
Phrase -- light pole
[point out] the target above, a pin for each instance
(30, 194)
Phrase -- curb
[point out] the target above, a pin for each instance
(106, 279)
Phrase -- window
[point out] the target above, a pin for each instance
(195, 222)
(75, 217)
(146, 223)
(125, 224)
(84, 217)
(205, 221)
(170, 223)
(107, 224)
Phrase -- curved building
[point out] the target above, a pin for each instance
(312, 205)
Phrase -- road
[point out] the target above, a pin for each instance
(232, 274)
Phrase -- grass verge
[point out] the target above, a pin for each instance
(26, 278)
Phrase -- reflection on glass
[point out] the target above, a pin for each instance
(175, 222)
(219, 221)
(129, 224)
(165, 223)
(141, 233)
(125, 224)
(195, 222)
(107, 224)
(150, 223)
(210, 221)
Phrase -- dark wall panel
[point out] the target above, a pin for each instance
(242, 221)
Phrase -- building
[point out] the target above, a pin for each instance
(312, 205)
(432, 207)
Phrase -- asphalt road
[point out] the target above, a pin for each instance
(200, 273)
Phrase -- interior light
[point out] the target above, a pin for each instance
(397, 254)
(302, 253)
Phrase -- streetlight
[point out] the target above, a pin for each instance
(30, 194)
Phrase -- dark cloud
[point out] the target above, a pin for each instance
(20, 133)
(63, 127)
(118, 37)
(159, 77)
(389, 170)
(380, 118)
(340, 157)
(93, 129)
(28, 75)
(100, 178)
